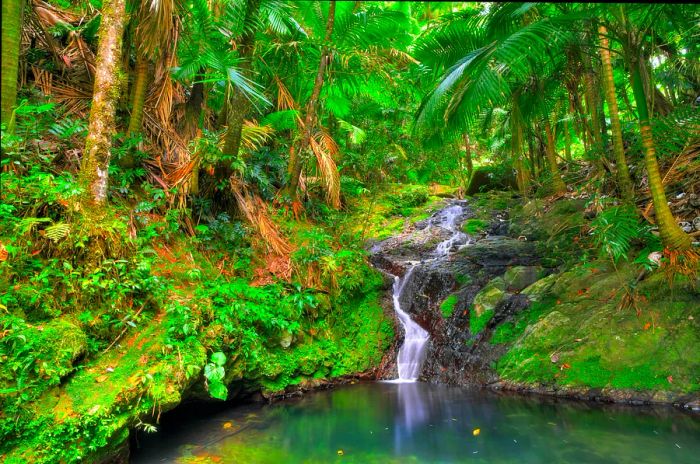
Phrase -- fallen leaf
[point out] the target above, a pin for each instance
(565, 366)
(647, 325)
(554, 358)
(227, 425)
(670, 379)
(476, 432)
(578, 339)
(94, 409)
(341, 452)
(100, 378)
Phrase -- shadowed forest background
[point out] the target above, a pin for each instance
(189, 189)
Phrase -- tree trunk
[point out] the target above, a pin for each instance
(297, 162)
(671, 234)
(140, 88)
(468, 155)
(550, 151)
(11, 37)
(95, 162)
(592, 102)
(239, 105)
(623, 175)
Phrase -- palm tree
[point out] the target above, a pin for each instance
(631, 33)
(296, 162)
(623, 175)
(11, 35)
(95, 162)
(239, 104)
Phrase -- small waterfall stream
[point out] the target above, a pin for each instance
(412, 352)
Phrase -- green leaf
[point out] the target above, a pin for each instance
(218, 390)
(218, 358)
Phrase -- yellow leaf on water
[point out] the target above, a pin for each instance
(476, 432)
(227, 425)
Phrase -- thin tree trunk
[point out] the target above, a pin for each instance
(550, 151)
(671, 234)
(139, 97)
(95, 162)
(11, 37)
(297, 162)
(592, 104)
(623, 175)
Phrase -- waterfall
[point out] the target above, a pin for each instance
(412, 352)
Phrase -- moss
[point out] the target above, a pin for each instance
(447, 307)
(510, 331)
(478, 322)
(598, 344)
(474, 226)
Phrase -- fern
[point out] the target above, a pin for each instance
(614, 230)
(57, 231)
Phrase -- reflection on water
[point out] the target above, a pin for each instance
(417, 422)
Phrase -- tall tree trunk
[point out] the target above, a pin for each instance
(238, 106)
(550, 151)
(592, 104)
(139, 97)
(671, 234)
(95, 162)
(623, 175)
(11, 36)
(296, 162)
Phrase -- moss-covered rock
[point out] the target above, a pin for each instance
(489, 296)
(518, 277)
(601, 330)
(539, 289)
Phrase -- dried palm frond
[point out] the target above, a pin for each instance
(255, 211)
(324, 148)
(285, 101)
(74, 99)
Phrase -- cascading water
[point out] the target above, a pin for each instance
(412, 352)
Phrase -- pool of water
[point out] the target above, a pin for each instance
(423, 423)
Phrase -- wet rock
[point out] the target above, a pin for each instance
(696, 223)
(686, 226)
(501, 252)
(519, 277)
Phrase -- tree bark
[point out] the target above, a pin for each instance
(11, 37)
(550, 151)
(297, 162)
(95, 162)
(139, 100)
(671, 234)
(623, 175)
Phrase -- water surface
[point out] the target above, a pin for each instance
(422, 423)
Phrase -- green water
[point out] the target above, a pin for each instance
(422, 423)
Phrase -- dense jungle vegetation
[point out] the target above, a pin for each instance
(188, 187)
